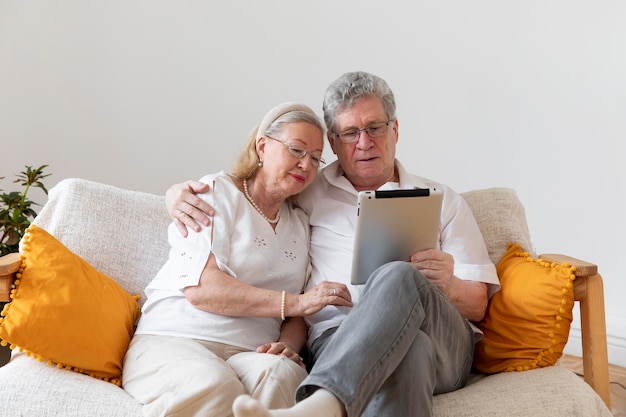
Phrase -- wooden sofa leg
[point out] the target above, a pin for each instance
(589, 292)
(594, 342)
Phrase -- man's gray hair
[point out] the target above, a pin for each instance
(352, 86)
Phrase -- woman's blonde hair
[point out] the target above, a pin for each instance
(249, 162)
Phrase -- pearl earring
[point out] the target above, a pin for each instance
(260, 164)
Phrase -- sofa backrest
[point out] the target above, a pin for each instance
(122, 233)
(501, 218)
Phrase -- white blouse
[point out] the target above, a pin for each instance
(247, 248)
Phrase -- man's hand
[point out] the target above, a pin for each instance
(469, 297)
(436, 265)
(185, 208)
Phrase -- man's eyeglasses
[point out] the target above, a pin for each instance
(375, 130)
(298, 152)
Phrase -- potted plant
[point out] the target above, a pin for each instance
(16, 214)
(16, 210)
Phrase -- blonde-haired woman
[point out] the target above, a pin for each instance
(223, 316)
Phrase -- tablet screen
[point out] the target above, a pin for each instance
(392, 225)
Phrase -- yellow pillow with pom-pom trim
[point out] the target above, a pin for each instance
(528, 321)
(65, 312)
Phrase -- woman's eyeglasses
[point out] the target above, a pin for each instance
(298, 152)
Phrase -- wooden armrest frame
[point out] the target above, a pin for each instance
(589, 292)
(9, 265)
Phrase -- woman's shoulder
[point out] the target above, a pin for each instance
(218, 182)
(218, 177)
(298, 215)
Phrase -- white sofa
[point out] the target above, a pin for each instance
(123, 234)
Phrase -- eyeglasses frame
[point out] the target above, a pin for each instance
(296, 152)
(358, 132)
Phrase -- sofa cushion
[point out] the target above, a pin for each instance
(527, 322)
(553, 391)
(32, 389)
(64, 311)
(122, 233)
(501, 218)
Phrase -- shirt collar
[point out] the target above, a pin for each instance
(333, 173)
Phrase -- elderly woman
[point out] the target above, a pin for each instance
(223, 316)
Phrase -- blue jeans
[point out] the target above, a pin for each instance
(401, 344)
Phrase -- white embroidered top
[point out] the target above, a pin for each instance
(247, 248)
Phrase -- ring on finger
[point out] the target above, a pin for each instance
(335, 292)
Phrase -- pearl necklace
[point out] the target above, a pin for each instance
(249, 197)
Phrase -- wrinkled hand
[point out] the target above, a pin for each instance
(185, 208)
(437, 266)
(469, 297)
(281, 348)
(323, 294)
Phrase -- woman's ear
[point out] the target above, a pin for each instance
(260, 147)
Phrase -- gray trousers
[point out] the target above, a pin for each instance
(401, 344)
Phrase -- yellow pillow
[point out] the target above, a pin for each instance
(528, 321)
(64, 311)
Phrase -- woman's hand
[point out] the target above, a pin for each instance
(281, 348)
(323, 294)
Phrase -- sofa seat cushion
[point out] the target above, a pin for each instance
(553, 391)
(33, 389)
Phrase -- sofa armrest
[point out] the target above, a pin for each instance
(589, 292)
(9, 265)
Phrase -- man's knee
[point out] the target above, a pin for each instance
(398, 274)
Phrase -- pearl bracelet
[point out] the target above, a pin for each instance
(282, 306)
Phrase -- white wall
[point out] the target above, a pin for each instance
(523, 94)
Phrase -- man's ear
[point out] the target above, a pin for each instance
(331, 142)
(394, 127)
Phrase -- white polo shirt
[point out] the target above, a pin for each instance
(331, 204)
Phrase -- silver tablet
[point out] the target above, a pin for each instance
(392, 225)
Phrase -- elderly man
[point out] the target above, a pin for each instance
(409, 334)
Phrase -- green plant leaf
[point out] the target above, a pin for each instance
(16, 213)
